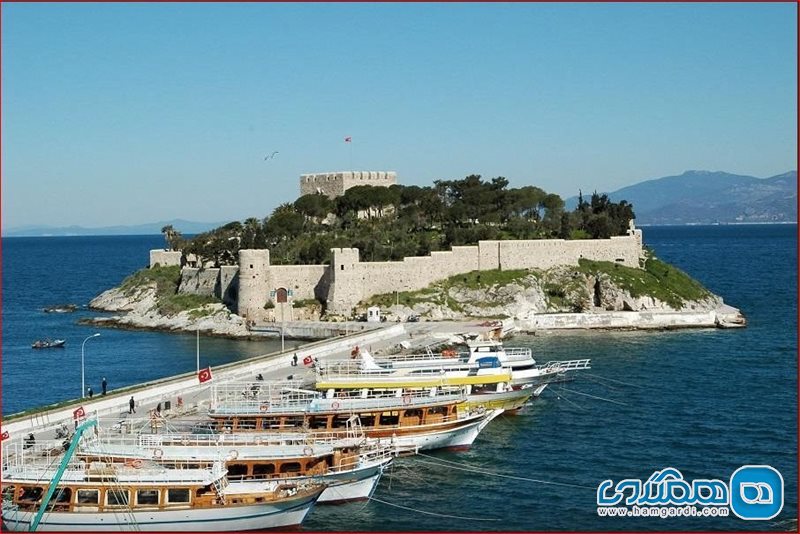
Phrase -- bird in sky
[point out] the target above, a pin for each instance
(271, 156)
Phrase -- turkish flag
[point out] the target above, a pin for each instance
(80, 412)
(307, 360)
(204, 375)
(4, 436)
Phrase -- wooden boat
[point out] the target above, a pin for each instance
(350, 467)
(48, 343)
(429, 418)
(97, 496)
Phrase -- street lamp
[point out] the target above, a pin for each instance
(83, 385)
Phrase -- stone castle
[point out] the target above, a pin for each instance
(255, 285)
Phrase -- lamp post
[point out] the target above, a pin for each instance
(83, 384)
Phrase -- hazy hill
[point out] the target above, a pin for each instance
(703, 197)
(185, 227)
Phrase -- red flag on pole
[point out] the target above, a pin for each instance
(4, 436)
(80, 412)
(348, 139)
(204, 375)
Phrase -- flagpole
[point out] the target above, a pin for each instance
(198, 349)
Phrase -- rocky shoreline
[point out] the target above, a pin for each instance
(529, 301)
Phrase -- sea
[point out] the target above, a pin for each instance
(704, 402)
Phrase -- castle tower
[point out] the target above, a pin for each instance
(254, 283)
(334, 184)
(346, 284)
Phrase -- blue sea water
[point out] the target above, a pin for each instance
(702, 401)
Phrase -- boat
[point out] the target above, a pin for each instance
(486, 383)
(525, 372)
(425, 418)
(350, 468)
(48, 343)
(99, 496)
(61, 308)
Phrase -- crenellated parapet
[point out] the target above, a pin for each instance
(334, 184)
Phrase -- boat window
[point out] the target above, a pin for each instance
(117, 497)
(390, 418)
(367, 420)
(440, 410)
(31, 494)
(246, 424)
(237, 470)
(263, 469)
(88, 496)
(340, 421)
(62, 495)
(147, 497)
(291, 467)
(175, 495)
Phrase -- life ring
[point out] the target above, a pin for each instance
(308, 451)
(335, 405)
(449, 353)
(137, 464)
(307, 360)
(233, 454)
(406, 399)
(264, 407)
(158, 453)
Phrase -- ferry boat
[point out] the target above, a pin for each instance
(350, 468)
(426, 418)
(96, 496)
(525, 372)
(486, 383)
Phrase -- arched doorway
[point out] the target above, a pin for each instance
(282, 296)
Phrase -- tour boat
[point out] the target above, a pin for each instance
(429, 418)
(48, 343)
(96, 496)
(486, 383)
(350, 467)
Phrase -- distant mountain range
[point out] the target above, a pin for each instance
(184, 227)
(704, 197)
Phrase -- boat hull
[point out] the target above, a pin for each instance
(285, 513)
(506, 400)
(453, 437)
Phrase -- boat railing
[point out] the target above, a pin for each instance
(518, 353)
(81, 471)
(354, 369)
(567, 365)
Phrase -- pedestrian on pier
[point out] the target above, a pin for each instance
(105, 386)
(89, 391)
(131, 405)
(294, 360)
(158, 409)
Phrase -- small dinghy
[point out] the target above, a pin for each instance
(48, 343)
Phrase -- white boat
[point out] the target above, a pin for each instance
(350, 468)
(103, 497)
(426, 418)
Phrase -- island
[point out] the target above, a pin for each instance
(458, 250)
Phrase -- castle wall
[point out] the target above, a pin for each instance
(203, 282)
(165, 258)
(347, 280)
(334, 184)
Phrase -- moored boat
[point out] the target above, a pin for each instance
(48, 343)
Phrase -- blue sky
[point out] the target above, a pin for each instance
(134, 113)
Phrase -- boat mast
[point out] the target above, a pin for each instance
(61, 468)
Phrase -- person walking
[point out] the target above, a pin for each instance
(294, 360)
(131, 405)
(105, 386)
(89, 391)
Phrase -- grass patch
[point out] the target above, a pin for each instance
(484, 279)
(176, 303)
(307, 303)
(166, 279)
(658, 279)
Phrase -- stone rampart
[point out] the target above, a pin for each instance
(165, 258)
(334, 184)
(348, 280)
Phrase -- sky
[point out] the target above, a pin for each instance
(136, 113)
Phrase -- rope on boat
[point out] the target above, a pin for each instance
(594, 397)
(482, 471)
(613, 380)
(432, 513)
